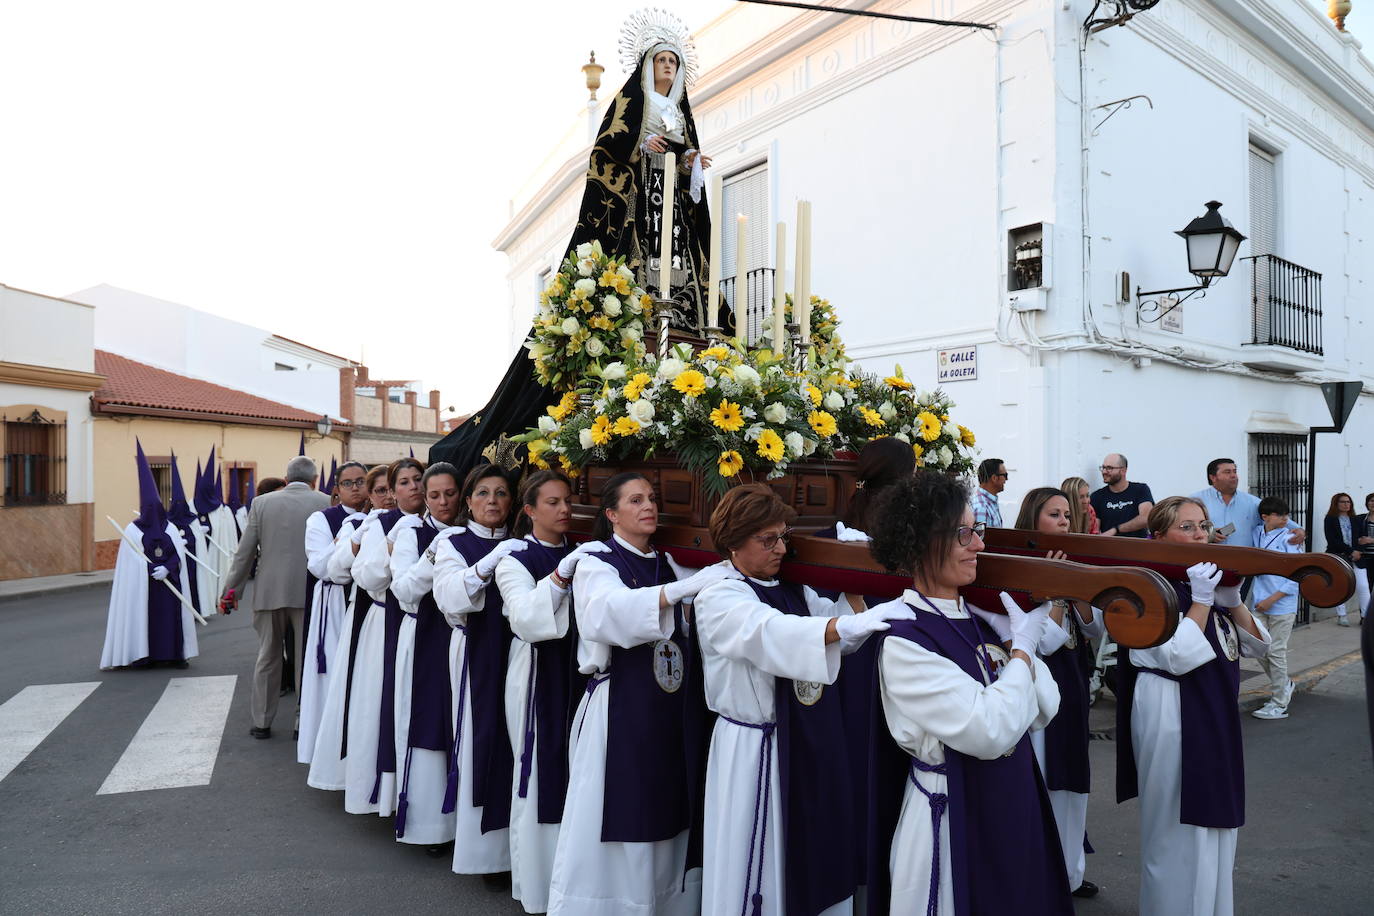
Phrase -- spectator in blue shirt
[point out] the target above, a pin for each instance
(1275, 599)
(1227, 505)
(992, 479)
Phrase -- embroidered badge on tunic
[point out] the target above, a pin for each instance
(999, 658)
(808, 693)
(1230, 646)
(157, 552)
(668, 665)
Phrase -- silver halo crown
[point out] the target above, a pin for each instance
(647, 27)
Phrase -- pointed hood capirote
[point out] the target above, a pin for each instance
(207, 499)
(179, 513)
(151, 515)
(231, 494)
(252, 488)
(302, 451)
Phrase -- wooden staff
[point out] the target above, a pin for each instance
(138, 549)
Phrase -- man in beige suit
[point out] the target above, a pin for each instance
(275, 537)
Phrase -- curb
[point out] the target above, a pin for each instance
(6, 597)
(1303, 681)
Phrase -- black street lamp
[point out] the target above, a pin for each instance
(1212, 243)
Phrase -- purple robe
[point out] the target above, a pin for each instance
(1066, 736)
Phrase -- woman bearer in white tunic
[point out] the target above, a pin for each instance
(624, 844)
(424, 716)
(370, 764)
(771, 653)
(477, 786)
(959, 812)
(1178, 733)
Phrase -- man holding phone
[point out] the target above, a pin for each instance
(1234, 512)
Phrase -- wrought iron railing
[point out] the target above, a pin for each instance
(35, 470)
(759, 287)
(1278, 467)
(1285, 304)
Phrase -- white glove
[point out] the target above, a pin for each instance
(1026, 626)
(487, 565)
(357, 536)
(1203, 578)
(688, 588)
(159, 573)
(568, 565)
(1227, 596)
(1000, 623)
(853, 629)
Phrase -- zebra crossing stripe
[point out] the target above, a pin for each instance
(177, 744)
(31, 715)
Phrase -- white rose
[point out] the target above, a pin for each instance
(746, 375)
(584, 251)
(584, 438)
(587, 286)
(596, 248)
(547, 425)
(611, 306)
(671, 368)
(595, 347)
(570, 326)
(833, 401)
(632, 332)
(809, 446)
(775, 413)
(887, 411)
(945, 457)
(642, 411)
(903, 437)
(585, 267)
(613, 371)
(794, 442)
(623, 271)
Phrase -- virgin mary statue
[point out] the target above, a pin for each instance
(622, 207)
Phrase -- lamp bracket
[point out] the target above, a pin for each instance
(1148, 301)
(1118, 105)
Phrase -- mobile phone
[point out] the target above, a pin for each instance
(1227, 530)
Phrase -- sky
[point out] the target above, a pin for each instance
(334, 172)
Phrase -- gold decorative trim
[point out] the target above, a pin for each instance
(49, 377)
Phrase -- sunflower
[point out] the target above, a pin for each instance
(770, 445)
(601, 430)
(690, 382)
(635, 386)
(730, 463)
(930, 425)
(872, 418)
(727, 417)
(564, 406)
(966, 436)
(626, 426)
(822, 422)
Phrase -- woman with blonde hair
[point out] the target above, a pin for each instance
(1082, 518)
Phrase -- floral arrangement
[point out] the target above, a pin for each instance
(826, 345)
(591, 313)
(868, 407)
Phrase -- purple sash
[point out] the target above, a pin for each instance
(484, 664)
(362, 603)
(334, 516)
(1066, 737)
(1213, 782)
(391, 633)
(431, 692)
(1003, 842)
(556, 688)
(190, 537)
(819, 832)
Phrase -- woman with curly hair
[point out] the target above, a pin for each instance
(973, 822)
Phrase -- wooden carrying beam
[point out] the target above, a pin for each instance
(1139, 606)
(1323, 579)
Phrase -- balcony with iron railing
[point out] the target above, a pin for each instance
(758, 302)
(1285, 315)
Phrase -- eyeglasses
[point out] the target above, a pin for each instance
(1004, 474)
(354, 484)
(965, 533)
(1190, 527)
(769, 541)
(1112, 467)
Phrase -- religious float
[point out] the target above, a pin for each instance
(629, 366)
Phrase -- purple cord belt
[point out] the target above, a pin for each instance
(939, 801)
(758, 833)
(455, 754)
(527, 752)
(324, 623)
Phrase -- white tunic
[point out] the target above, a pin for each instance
(930, 704)
(326, 620)
(226, 537)
(459, 592)
(326, 766)
(207, 572)
(1183, 869)
(745, 646)
(126, 626)
(592, 878)
(1070, 808)
(537, 611)
(423, 774)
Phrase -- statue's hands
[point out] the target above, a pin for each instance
(655, 144)
(692, 156)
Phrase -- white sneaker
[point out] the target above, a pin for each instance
(1270, 711)
(1342, 621)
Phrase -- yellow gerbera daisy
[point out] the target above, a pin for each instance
(770, 445)
(717, 353)
(814, 394)
(966, 436)
(727, 416)
(601, 430)
(871, 416)
(635, 386)
(822, 422)
(930, 425)
(564, 406)
(690, 382)
(730, 463)
(896, 381)
(919, 450)
(569, 468)
(626, 426)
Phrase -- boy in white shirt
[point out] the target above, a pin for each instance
(1276, 600)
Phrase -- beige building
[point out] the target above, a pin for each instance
(388, 421)
(47, 373)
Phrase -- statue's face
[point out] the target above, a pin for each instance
(665, 68)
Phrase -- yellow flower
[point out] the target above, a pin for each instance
(822, 422)
(930, 425)
(690, 382)
(577, 294)
(770, 445)
(601, 430)
(871, 416)
(608, 277)
(626, 426)
(635, 386)
(966, 436)
(730, 463)
(621, 285)
(600, 322)
(896, 381)
(587, 305)
(717, 353)
(572, 470)
(537, 448)
(646, 302)
(564, 406)
(727, 417)
(814, 394)
(919, 450)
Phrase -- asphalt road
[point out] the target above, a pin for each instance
(256, 839)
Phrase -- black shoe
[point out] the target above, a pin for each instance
(439, 851)
(499, 881)
(260, 732)
(295, 734)
(1086, 889)
(182, 664)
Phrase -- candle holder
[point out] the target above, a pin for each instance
(714, 335)
(797, 352)
(663, 310)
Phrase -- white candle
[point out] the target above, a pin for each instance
(665, 250)
(801, 302)
(741, 268)
(714, 265)
(780, 291)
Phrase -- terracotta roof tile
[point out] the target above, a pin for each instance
(134, 384)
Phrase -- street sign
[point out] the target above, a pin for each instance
(958, 365)
(1340, 400)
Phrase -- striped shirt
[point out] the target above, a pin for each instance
(986, 509)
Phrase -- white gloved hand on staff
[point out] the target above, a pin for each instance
(1026, 626)
(159, 573)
